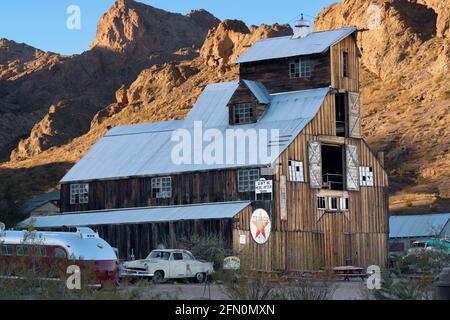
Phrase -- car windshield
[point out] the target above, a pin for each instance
(164, 255)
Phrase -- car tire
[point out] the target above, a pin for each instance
(200, 277)
(158, 276)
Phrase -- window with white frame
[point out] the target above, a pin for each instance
(79, 193)
(366, 176)
(321, 204)
(243, 113)
(296, 171)
(300, 68)
(344, 204)
(161, 187)
(247, 179)
(332, 203)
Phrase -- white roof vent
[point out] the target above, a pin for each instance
(301, 28)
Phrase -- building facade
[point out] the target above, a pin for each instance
(316, 197)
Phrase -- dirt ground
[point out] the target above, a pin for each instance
(345, 290)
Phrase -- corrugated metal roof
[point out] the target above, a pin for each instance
(283, 47)
(258, 89)
(208, 211)
(147, 149)
(32, 204)
(417, 225)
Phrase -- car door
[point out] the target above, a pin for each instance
(192, 266)
(177, 265)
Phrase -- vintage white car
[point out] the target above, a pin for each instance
(168, 264)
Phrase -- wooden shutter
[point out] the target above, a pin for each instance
(315, 164)
(352, 165)
(354, 115)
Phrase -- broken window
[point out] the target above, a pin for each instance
(79, 193)
(321, 203)
(332, 167)
(296, 171)
(345, 64)
(300, 68)
(244, 113)
(247, 179)
(341, 119)
(332, 203)
(366, 176)
(161, 187)
(344, 204)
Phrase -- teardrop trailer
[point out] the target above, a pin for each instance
(47, 255)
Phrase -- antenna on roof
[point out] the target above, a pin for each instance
(301, 28)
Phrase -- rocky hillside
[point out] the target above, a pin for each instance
(405, 68)
(47, 100)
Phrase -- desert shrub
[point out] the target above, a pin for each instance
(317, 286)
(211, 247)
(11, 200)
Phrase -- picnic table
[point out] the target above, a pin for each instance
(348, 272)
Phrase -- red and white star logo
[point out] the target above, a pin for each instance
(260, 226)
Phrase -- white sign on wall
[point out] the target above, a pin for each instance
(263, 186)
(242, 239)
(260, 226)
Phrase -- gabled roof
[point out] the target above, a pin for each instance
(223, 210)
(146, 150)
(40, 200)
(284, 47)
(259, 91)
(426, 225)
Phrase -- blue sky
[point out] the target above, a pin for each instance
(42, 23)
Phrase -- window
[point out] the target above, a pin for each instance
(59, 253)
(177, 256)
(243, 113)
(366, 176)
(187, 256)
(296, 171)
(6, 250)
(39, 251)
(162, 187)
(332, 203)
(341, 119)
(345, 64)
(247, 179)
(321, 203)
(22, 250)
(79, 193)
(300, 68)
(344, 204)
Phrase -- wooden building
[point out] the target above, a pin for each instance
(323, 200)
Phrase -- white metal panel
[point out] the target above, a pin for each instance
(315, 164)
(140, 215)
(259, 91)
(425, 225)
(352, 166)
(283, 47)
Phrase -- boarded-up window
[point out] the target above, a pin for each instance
(352, 160)
(354, 115)
(296, 171)
(366, 176)
(79, 193)
(315, 164)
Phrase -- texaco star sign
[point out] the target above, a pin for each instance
(260, 226)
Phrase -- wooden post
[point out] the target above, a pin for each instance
(380, 156)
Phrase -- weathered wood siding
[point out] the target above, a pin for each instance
(187, 188)
(338, 81)
(308, 239)
(274, 74)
